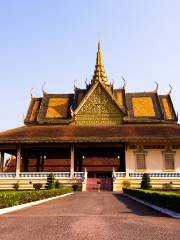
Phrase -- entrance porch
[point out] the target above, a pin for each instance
(70, 163)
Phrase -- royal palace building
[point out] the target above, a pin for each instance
(95, 133)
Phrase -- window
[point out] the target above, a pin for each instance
(169, 161)
(140, 161)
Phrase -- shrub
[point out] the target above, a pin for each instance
(16, 186)
(75, 187)
(126, 183)
(168, 200)
(58, 184)
(167, 185)
(50, 184)
(13, 198)
(146, 181)
(37, 186)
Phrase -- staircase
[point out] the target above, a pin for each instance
(92, 186)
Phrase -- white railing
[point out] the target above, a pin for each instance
(119, 174)
(152, 175)
(156, 175)
(56, 174)
(8, 175)
(44, 174)
(79, 174)
(84, 175)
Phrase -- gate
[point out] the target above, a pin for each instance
(106, 184)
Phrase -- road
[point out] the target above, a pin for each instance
(85, 216)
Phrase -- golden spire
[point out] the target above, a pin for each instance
(99, 72)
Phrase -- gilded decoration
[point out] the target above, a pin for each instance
(166, 109)
(98, 120)
(99, 72)
(143, 107)
(99, 108)
(99, 102)
(57, 108)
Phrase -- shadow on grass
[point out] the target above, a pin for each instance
(136, 207)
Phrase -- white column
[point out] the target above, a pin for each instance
(1, 161)
(85, 180)
(72, 161)
(126, 161)
(85, 174)
(18, 161)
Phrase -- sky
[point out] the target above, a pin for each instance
(55, 41)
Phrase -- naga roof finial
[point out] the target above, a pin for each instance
(170, 89)
(31, 90)
(124, 82)
(157, 85)
(43, 85)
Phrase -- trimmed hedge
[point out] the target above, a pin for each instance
(13, 198)
(168, 200)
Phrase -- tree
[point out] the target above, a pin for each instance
(146, 181)
(50, 184)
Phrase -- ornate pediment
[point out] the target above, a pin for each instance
(99, 102)
(99, 107)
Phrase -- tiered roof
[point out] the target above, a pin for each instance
(136, 107)
(138, 116)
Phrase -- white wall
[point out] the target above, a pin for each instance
(154, 160)
(177, 160)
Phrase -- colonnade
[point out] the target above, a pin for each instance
(19, 156)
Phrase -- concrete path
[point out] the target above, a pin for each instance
(85, 216)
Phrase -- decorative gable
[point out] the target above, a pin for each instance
(98, 107)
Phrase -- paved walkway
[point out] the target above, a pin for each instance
(85, 216)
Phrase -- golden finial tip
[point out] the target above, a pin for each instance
(99, 46)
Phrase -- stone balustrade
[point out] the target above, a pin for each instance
(42, 175)
(82, 175)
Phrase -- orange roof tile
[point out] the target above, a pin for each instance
(143, 107)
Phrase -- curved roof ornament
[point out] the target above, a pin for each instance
(71, 111)
(170, 89)
(157, 86)
(86, 83)
(31, 90)
(75, 87)
(124, 82)
(42, 87)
